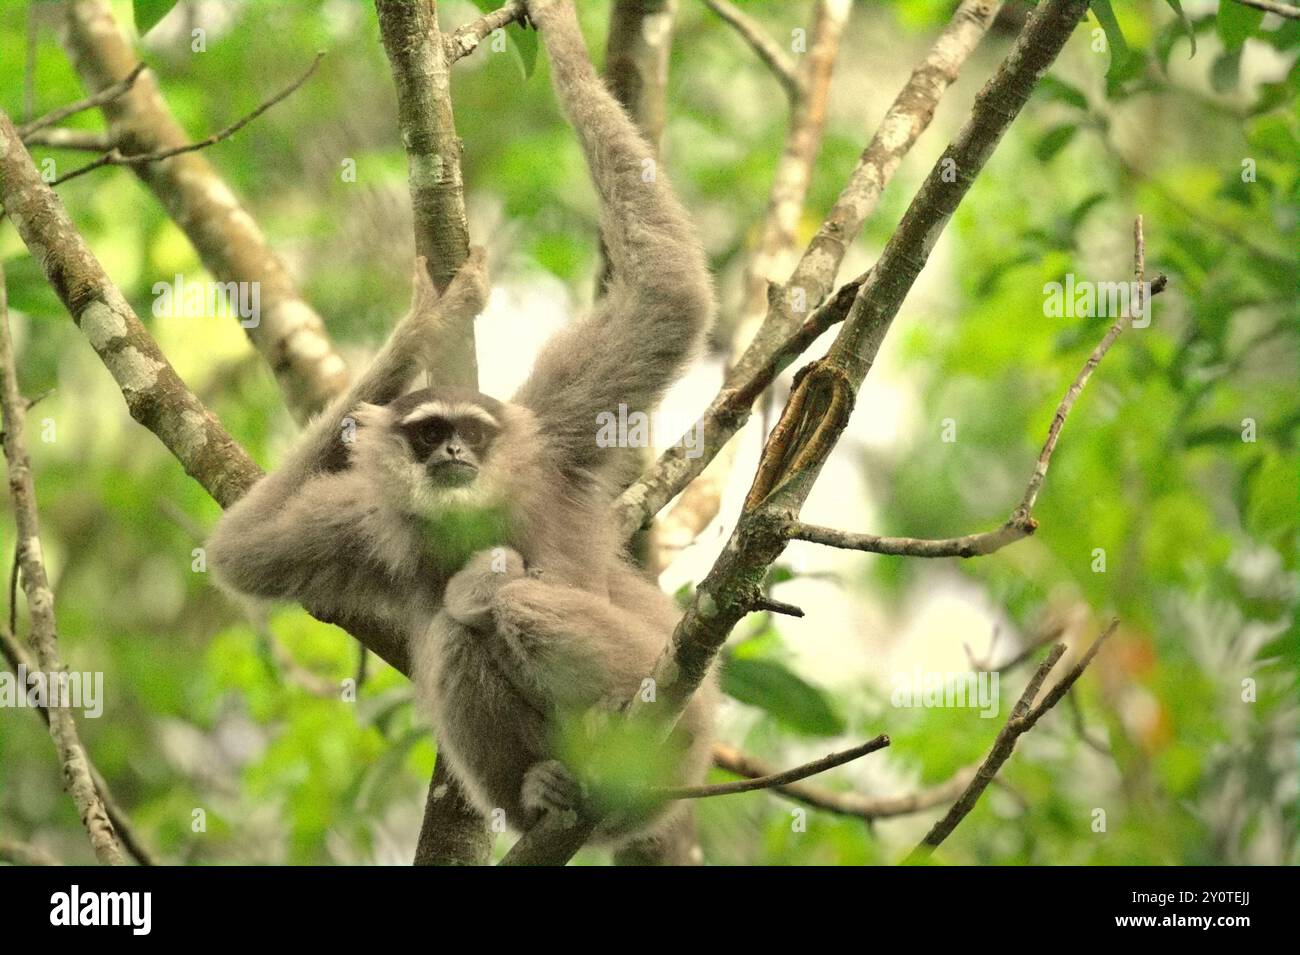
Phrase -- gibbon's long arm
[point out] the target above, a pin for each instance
(660, 299)
(293, 524)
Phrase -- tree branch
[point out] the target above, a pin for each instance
(767, 49)
(23, 853)
(56, 137)
(844, 803)
(106, 95)
(422, 75)
(1022, 719)
(465, 40)
(13, 652)
(778, 779)
(1272, 6)
(452, 832)
(155, 395)
(77, 779)
(290, 336)
(114, 156)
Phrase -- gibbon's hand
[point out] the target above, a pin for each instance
(471, 594)
(463, 300)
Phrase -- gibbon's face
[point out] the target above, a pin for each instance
(449, 437)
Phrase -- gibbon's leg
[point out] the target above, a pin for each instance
(301, 513)
(659, 301)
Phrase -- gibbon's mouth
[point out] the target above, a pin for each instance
(452, 473)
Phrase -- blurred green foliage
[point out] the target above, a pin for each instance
(207, 709)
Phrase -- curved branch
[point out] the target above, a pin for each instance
(844, 803)
(1024, 715)
(778, 779)
(766, 48)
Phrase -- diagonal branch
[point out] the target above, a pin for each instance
(1024, 715)
(114, 156)
(844, 803)
(13, 652)
(155, 395)
(776, 780)
(465, 40)
(106, 95)
(766, 48)
(290, 336)
(77, 778)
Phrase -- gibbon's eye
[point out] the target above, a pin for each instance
(473, 432)
(424, 436)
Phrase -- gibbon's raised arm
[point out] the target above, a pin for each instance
(293, 524)
(660, 298)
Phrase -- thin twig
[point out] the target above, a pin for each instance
(844, 803)
(1024, 715)
(57, 137)
(767, 49)
(106, 95)
(114, 156)
(776, 780)
(1272, 6)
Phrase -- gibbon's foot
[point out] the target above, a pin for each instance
(550, 787)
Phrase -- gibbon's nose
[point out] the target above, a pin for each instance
(453, 449)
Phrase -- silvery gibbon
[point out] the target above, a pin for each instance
(482, 528)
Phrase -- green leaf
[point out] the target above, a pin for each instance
(1119, 50)
(790, 699)
(1054, 141)
(523, 41)
(149, 12)
(1236, 22)
(1177, 7)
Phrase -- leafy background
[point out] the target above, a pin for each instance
(207, 707)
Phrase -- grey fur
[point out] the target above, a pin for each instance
(532, 610)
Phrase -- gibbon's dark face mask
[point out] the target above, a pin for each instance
(452, 449)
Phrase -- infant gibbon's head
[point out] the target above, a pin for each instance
(435, 448)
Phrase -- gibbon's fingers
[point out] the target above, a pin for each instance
(423, 292)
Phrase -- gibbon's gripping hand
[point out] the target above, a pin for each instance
(471, 594)
(465, 297)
